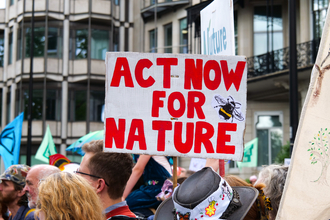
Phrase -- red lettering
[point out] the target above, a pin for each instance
(141, 64)
(176, 96)
(222, 148)
(233, 77)
(162, 127)
(212, 65)
(193, 73)
(136, 126)
(204, 138)
(178, 143)
(122, 70)
(197, 105)
(167, 63)
(157, 103)
(115, 133)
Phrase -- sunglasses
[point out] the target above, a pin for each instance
(98, 177)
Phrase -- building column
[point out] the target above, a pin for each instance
(5, 69)
(176, 36)
(65, 90)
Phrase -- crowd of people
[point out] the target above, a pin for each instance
(121, 186)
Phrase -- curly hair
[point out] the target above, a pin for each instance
(66, 196)
(274, 177)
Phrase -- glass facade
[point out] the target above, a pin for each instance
(2, 49)
(96, 103)
(99, 44)
(270, 136)
(10, 51)
(264, 23)
(37, 100)
(168, 38)
(320, 8)
(53, 104)
(153, 41)
(183, 36)
(81, 44)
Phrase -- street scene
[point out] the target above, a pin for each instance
(164, 109)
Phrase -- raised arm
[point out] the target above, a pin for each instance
(136, 174)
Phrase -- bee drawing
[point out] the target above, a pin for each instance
(228, 109)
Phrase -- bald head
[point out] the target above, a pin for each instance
(37, 173)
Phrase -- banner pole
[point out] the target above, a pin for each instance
(222, 168)
(175, 172)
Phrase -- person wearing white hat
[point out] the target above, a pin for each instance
(205, 195)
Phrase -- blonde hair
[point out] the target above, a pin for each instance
(66, 196)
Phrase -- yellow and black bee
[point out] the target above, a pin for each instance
(228, 108)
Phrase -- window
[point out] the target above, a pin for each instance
(37, 100)
(116, 2)
(81, 44)
(78, 105)
(1, 49)
(183, 36)
(12, 2)
(10, 52)
(115, 39)
(152, 2)
(19, 43)
(126, 39)
(264, 23)
(53, 104)
(270, 134)
(54, 42)
(319, 14)
(168, 38)
(235, 32)
(39, 42)
(100, 44)
(95, 105)
(153, 41)
(8, 106)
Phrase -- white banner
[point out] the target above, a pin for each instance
(177, 105)
(217, 28)
(307, 187)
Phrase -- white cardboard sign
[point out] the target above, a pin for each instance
(217, 28)
(177, 105)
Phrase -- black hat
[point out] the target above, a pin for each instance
(205, 195)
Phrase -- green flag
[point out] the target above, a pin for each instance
(250, 158)
(46, 148)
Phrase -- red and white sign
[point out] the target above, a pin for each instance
(177, 105)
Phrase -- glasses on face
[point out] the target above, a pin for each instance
(77, 171)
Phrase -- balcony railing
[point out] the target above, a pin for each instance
(278, 60)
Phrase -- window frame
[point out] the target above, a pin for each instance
(268, 113)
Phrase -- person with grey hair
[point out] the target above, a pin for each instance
(274, 177)
(33, 178)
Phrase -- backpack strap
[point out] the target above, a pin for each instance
(31, 210)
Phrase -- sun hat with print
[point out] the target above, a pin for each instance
(16, 173)
(205, 195)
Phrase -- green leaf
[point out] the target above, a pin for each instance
(326, 129)
(309, 150)
(312, 143)
(311, 154)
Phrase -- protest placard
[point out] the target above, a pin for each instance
(217, 28)
(307, 187)
(177, 105)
